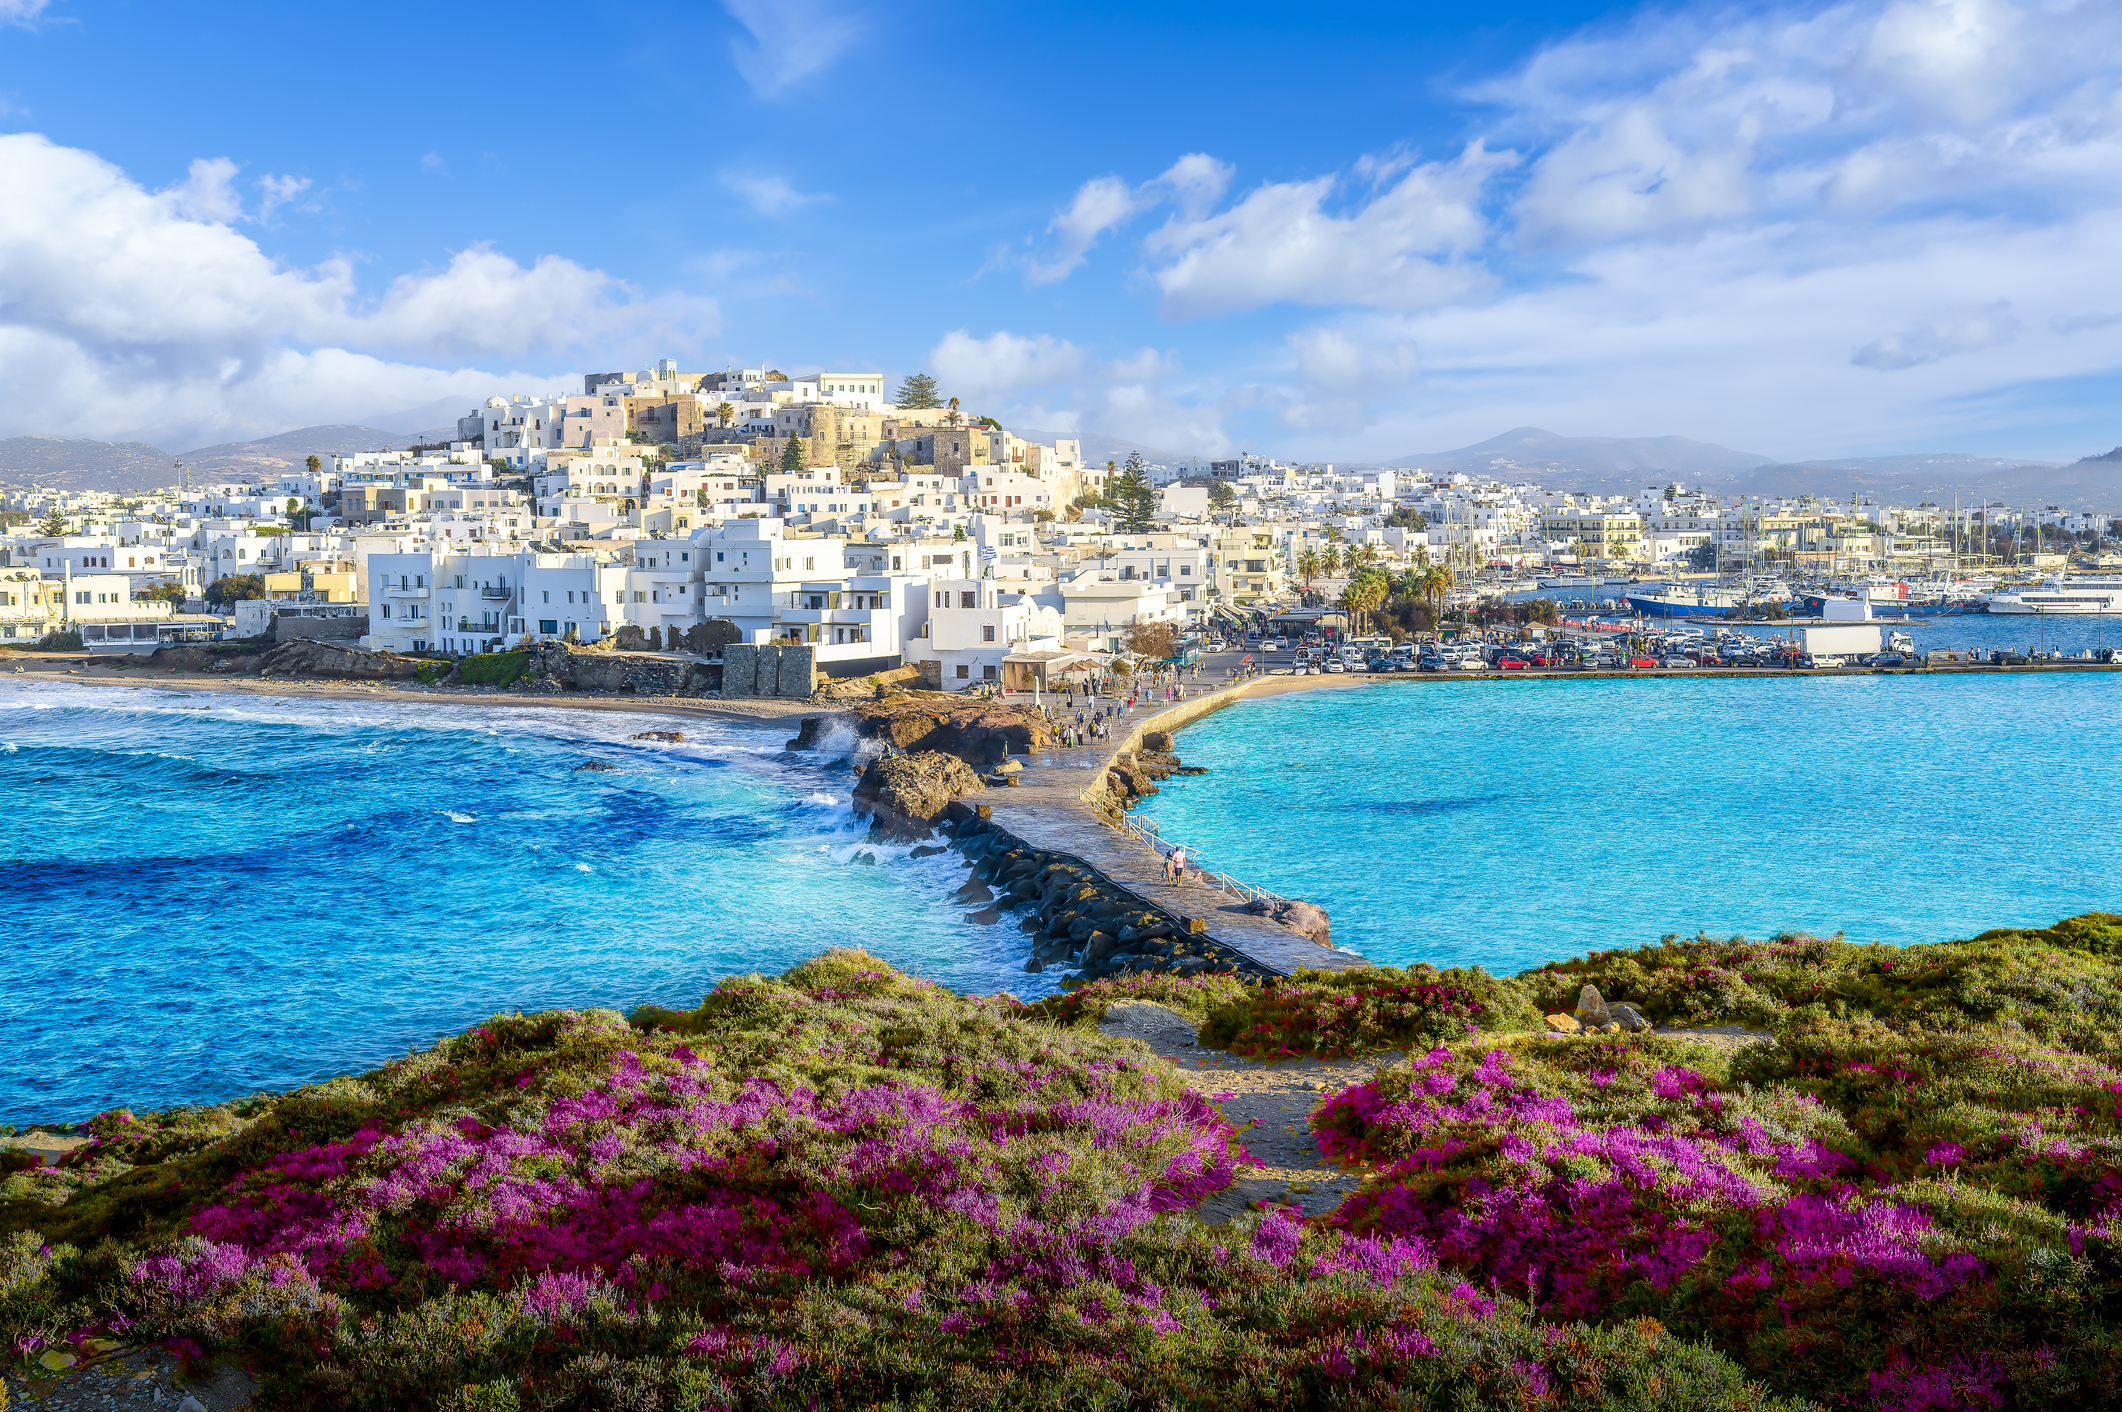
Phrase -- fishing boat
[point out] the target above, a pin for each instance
(1570, 581)
(1690, 600)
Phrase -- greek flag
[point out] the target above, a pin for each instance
(987, 553)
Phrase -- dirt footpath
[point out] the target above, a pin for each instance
(1279, 1098)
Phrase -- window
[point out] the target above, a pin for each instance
(548, 625)
(987, 633)
(987, 673)
(964, 671)
(546, 596)
(969, 600)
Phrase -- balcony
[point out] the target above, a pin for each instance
(405, 591)
(500, 593)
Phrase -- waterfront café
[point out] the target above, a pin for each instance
(1043, 671)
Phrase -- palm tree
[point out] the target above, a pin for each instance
(1364, 594)
(952, 415)
(1330, 558)
(1308, 565)
(725, 412)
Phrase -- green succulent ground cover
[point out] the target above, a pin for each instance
(848, 1187)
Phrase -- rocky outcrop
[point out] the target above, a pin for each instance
(981, 733)
(331, 662)
(1075, 917)
(906, 793)
(1306, 919)
(557, 667)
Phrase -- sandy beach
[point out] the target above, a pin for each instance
(749, 711)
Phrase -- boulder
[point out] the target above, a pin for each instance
(1627, 1016)
(908, 792)
(672, 737)
(1564, 1024)
(1591, 1008)
(595, 766)
(1306, 919)
(1159, 741)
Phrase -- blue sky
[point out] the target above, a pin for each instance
(1341, 233)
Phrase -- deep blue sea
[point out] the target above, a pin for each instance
(1507, 823)
(215, 894)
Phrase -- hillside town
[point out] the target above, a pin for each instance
(679, 510)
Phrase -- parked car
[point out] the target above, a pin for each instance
(1678, 659)
(1889, 659)
(1333, 664)
(1642, 661)
(1512, 663)
(2006, 658)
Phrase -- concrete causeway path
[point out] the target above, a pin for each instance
(1049, 808)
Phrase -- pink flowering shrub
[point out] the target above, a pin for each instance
(2061, 982)
(1851, 1214)
(842, 1187)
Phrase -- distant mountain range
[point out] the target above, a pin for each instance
(1598, 464)
(1611, 465)
(1601, 464)
(134, 465)
(84, 465)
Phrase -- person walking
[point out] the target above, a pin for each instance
(1168, 865)
(1178, 862)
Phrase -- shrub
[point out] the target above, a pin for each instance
(1852, 1217)
(1332, 1014)
(493, 668)
(2061, 982)
(1195, 997)
(841, 1187)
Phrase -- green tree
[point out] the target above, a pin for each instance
(1401, 517)
(1308, 565)
(1221, 496)
(168, 591)
(792, 456)
(1330, 557)
(917, 390)
(53, 524)
(314, 464)
(725, 412)
(1134, 497)
(233, 588)
(1365, 594)
(952, 415)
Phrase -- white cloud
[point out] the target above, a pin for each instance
(1927, 342)
(432, 163)
(1717, 213)
(123, 308)
(783, 44)
(209, 193)
(1101, 203)
(22, 12)
(1001, 364)
(1193, 184)
(1403, 248)
(770, 194)
(278, 192)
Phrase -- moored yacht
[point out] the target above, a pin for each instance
(2061, 597)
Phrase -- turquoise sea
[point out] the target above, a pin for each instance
(213, 894)
(1506, 823)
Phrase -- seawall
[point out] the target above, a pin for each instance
(1063, 804)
